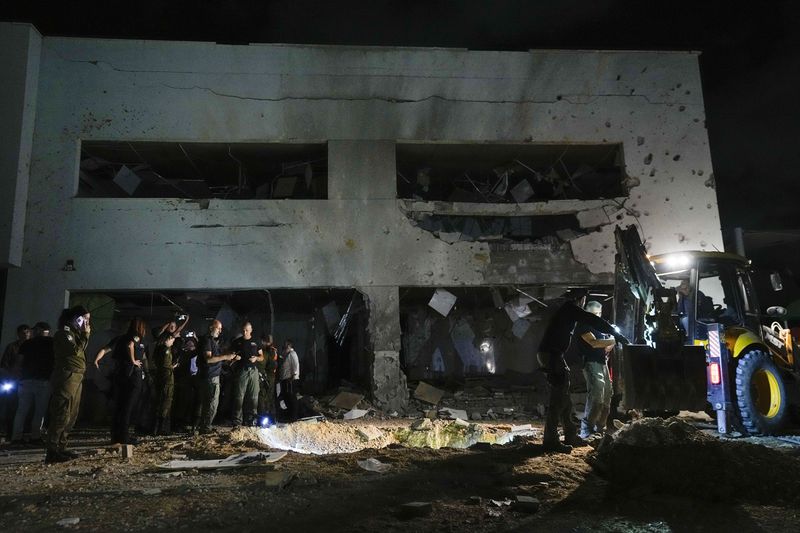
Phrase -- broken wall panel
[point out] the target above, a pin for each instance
(500, 173)
(119, 169)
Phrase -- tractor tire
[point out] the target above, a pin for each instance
(760, 394)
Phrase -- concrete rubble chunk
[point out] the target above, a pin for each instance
(346, 400)
(68, 522)
(127, 451)
(151, 492)
(353, 414)
(525, 504)
(428, 393)
(415, 509)
(277, 479)
(431, 414)
(369, 433)
(423, 424)
(475, 415)
(373, 465)
(453, 414)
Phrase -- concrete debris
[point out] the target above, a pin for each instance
(453, 414)
(428, 393)
(525, 504)
(151, 492)
(442, 301)
(373, 465)
(567, 234)
(127, 451)
(277, 480)
(475, 415)
(431, 414)
(500, 503)
(415, 509)
(369, 433)
(354, 414)
(346, 400)
(232, 461)
(68, 522)
(423, 424)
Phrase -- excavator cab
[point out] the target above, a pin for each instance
(683, 308)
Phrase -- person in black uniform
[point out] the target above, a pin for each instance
(129, 355)
(554, 343)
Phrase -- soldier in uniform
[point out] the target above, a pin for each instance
(164, 383)
(246, 378)
(66, 383)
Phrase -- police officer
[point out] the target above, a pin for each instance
(66, 383)
(551, 358)
(246, 379)
(164, 382)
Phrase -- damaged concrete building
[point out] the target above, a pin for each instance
(368, 181)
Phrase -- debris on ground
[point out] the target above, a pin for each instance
(233, 461)
(276, 480)
(67, 522)
(682, 460)
(374, 465)
(346, 400)
(525, 504)
(428, 393)
(453, 414)
(354, 414)
(415, 509)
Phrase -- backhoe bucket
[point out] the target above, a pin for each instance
(663, 382)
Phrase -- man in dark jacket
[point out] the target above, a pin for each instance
(34, 386)
(555, 342)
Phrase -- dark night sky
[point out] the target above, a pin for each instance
(750, 63)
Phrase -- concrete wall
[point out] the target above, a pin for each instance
(20, 50)
(361, 101)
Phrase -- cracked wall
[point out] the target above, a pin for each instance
(361, 101)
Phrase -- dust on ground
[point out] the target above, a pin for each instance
(470, 489)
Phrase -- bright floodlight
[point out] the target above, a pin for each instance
(6, 386)
(486, 346)
(678, 261)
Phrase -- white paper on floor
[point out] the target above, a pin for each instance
(233, 461)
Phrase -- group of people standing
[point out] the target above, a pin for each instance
(50, 371)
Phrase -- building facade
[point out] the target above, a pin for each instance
(367, 108)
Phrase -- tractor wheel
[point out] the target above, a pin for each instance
(760, 394)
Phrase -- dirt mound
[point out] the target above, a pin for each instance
(671, 456)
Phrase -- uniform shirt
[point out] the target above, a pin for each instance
(37, 358)
(290, 367)
(209, 344)
(69, 350)
(9, 364)
(589, 354)
(246, 349)
(162, 357)
(558, 334)
(122, 355)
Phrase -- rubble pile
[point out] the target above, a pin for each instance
(479, 402)
(671, 456)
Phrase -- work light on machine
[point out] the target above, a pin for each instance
(678, 261)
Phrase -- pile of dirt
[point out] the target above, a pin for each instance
(318, 438)
(671, 456)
